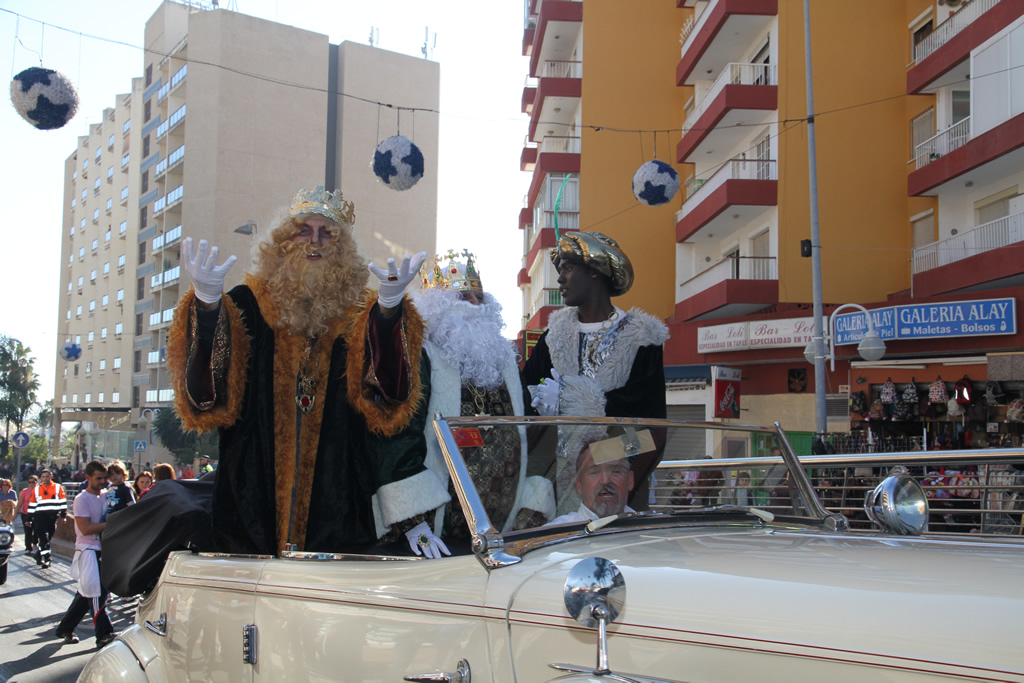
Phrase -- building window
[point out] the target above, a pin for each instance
(75, 373)
(88, 366)
(74, 397)
(120, 261)
(142, 253)
(82, 224)
(138, 324)
(145, 153)
(118, 329)
(106, 300)
(143, 217)
(81, 280)
(92, 305)
(117, 363)
(100, 399)
(115, 396)
(147, 111)
(81, 252)
(78, 339)
(88, 398)
(103, 334)
(149, 75)
(137, 362)
(91, 336)
(103, 365)
(78, 312)
(107, 236)
(124, 227)
(106, 267)
(120, 295)
(92, 275)
(135, 397)
(140, 288)
(145, 181)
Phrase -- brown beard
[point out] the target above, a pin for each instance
(310, 295)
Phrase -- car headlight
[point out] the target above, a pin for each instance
(6, 539)
(898, 504)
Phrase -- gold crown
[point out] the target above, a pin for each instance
(328, 204)
(457, 275)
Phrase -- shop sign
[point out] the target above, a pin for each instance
(530, 339)
(980, 317)
(777, 334)
(716, 338)
(727, 392)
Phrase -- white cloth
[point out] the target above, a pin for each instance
(86, 570)
(93, 507)
(583, 514)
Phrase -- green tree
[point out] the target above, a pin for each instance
(186, 445)
(18, 385)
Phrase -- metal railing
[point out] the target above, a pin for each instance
(700, 15)
(956, 23)
(943, 143)
(562, 69)
(986, 237)
(733, 74)
(560, 144)
(734, 169)
(730, 268)
(975, 492)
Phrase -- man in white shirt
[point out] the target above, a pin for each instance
(90, 509)
(603, 488)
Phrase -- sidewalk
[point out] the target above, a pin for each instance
(32, 602)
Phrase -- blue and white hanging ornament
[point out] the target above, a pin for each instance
(44, 97)
(655, 183)
(398, 163)
(70, 351)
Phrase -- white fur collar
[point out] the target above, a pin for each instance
(643, 329)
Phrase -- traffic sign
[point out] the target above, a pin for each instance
(140, 446)
(21, 439)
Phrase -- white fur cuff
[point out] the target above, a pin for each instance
(411, 496)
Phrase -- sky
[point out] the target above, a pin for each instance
(478, 45)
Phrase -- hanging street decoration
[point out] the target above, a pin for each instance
(44, 97)
(655, 183)
(70, 351)
(398, 163)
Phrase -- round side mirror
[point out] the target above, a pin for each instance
(594, 591)
(898, 504)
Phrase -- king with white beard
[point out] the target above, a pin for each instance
(473, 372)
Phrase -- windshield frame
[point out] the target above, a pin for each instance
(495, 550)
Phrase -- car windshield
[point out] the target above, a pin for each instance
(524, 474)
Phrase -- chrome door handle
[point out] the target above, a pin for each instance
(159, 627)
(461, 675)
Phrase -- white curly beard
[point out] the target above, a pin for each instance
(468, 335)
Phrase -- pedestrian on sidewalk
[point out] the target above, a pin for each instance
(26, 516)
(90, 509)
(47, 503)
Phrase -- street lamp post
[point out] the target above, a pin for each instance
(870, 348)
(146, 417)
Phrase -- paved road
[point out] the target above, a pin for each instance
(32, 602)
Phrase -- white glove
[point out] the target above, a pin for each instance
(545, 394)
(207, 276)
(423, 542)
(394, 281)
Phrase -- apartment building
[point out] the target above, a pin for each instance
(919, 155)
(231, 117)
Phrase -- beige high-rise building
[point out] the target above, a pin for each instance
(232, 117)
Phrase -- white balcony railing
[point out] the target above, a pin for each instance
(943, 143)
(733, 74)
(734, 169)
(161, 168)
(985, 237)
(545, 297)
(731, 268)
(179, 76)
(560, 144)
(562, 69)
(700, 15)
(945, 31)
(172, 235)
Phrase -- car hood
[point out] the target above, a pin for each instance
(920, 602)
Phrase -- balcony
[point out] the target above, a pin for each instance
(990, 256)
(950, 44)
(543, 305)
(548, 163)
(743, 94)
(732, 287)
(722, 32)
(559, 90)
(736, 194)
(559, 23)
(528, 157)
(960, 154)
(540, 241)
(166, 278)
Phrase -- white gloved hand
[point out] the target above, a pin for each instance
(394, 281)
(423, 542)
(545, 394)
(207, 276)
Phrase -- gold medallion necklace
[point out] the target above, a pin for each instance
(304, 396)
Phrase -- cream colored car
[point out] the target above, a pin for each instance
(777, 589)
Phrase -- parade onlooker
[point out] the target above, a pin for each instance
(120, 495)
(90, 508)
(26, 516)
(187, 472)
(161, 472)
(204, 465)
(142, 484)
(8, 502)
(47, 503)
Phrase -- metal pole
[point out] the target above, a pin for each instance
(821, 419)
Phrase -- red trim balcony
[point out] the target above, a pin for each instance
(523, 279)
(528, 36)
(742, 95)
(558, 28)
(559, 90)
(525, 217)
(950, 44)
(989, 256)
(720, 35)
(730, 199)
(954, 152)
(542, 241)
(551, 162)
(528, 159)
(731, 287)
(529, 97)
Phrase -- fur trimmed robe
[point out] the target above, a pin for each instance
(532, 493)
(306, 478)
(629, 383)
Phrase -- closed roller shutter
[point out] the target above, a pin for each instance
(685, 444)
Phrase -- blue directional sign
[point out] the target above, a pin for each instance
(140, 446)
(980, 317)
(21, 439)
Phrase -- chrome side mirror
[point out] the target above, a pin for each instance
(594, 594)
(898, 504)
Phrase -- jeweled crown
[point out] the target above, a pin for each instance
(327, 204)
(448, 272)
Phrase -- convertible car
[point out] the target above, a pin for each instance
(741, 575)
